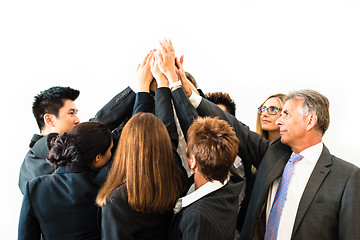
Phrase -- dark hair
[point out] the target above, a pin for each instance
(191, 79)
(81, 145)
(224, 99)
(215, 145)
(50, 101)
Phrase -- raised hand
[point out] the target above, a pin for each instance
(143, 74)
(161, 79)
(186, 84)
(166, 60)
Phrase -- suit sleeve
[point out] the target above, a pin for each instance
(164, 111)
(144, 102)
(117, 109)
(185, 111)
(29, 227)
(349, 217)
(252, 146)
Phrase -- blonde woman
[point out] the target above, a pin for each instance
(268, 112)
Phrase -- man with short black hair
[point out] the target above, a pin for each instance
(55, 112)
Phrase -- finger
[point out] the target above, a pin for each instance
(182, 59)
(145, 59)
(148, 59)
(163, 48)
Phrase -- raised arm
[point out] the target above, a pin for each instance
(144, 102)
(117, 109)
(252, 146)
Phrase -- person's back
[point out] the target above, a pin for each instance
(62, 205)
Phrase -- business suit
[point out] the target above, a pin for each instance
(118, 110)
(214, 215)
(61, 205)
(330, 205)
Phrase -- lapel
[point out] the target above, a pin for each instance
(317, 177)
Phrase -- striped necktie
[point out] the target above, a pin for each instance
(272, 225)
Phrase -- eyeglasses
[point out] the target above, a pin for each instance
(270, 110)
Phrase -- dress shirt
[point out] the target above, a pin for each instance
(298, 182)
(202, 191)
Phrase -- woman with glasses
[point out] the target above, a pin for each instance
(268, 113)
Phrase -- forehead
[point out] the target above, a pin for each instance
(272, 102)
(293, 105)
(68, 105)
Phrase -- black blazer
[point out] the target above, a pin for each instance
(61, 205)
(214, 216)
(113, 114)
(330, 205)
(118, 220)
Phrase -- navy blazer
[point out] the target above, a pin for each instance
(61, 205)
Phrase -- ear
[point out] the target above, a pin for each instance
(49, 119)
(312, 120)
(192, 162)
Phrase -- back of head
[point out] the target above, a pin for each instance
(191, 79)
(223, 99)
(214, 145)
(81, 145)
(314, 103)
(50, 101)
(144, 162)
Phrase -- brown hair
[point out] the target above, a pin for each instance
(282, 99)
(144, 162)
(214, 144)
(314, 103)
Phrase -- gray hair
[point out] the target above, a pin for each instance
(314, 103)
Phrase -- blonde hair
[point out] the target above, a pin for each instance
(144, 163)
(282, 99)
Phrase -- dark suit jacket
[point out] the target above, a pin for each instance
(213, 216)
(330, 205)
(115, 112)
(61, 205)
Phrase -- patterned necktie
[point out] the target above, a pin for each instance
(272, 225)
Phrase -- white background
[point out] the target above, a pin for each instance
(250, 49)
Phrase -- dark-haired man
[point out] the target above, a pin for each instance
(55, 112)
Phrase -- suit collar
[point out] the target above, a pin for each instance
(317, 177)
(72, 169)
(42, 146)
(34, 139)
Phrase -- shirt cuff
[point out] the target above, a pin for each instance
(195, 99)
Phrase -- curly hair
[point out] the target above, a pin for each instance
(81, 145)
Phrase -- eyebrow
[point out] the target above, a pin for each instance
(73, 110)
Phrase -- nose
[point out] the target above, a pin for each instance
(76, 119)
(279, 121)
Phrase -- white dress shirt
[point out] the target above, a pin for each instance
(298, 182)
(192, 196)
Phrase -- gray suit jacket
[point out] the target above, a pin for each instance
(330, 205)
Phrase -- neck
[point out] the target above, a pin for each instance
(199, 179)
(301, 147)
